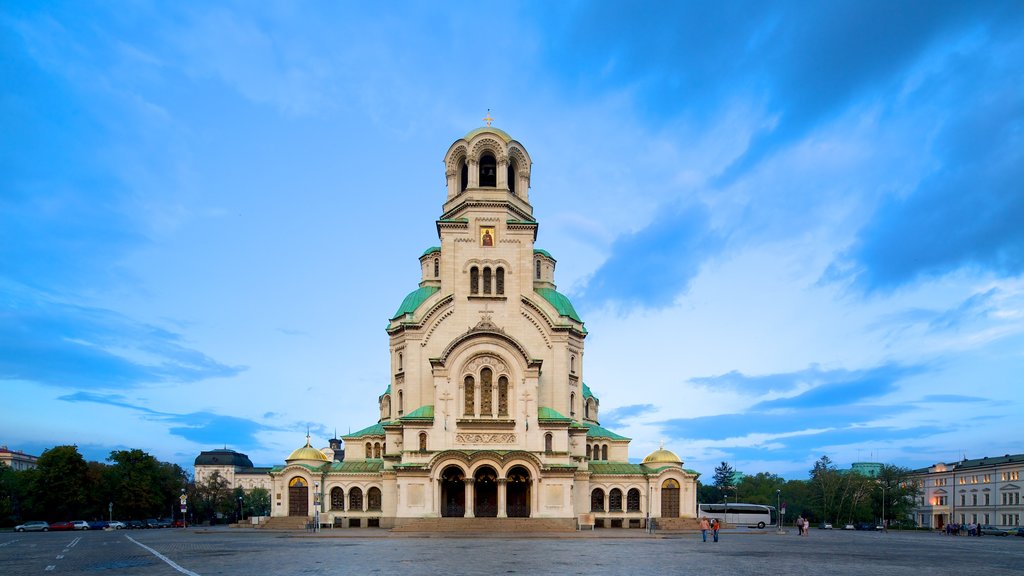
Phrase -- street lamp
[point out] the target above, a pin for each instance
(778, 510)
(885, 527)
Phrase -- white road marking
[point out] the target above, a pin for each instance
(60, 556)
(170, 562)
(49, 568)
(2, 544)
(73, 542)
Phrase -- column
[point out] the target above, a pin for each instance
(470, 504)
(502, 497)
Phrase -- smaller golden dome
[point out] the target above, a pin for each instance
(307, 452)
(661, 457)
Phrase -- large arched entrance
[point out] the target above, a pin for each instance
(517, 493)
(485, 492)
(453, 492)
(298, 497)
(670, 499)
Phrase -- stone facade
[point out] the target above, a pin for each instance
(486, 413)
(980, 490)
(234, 467)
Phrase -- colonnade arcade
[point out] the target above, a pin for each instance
(484, 492)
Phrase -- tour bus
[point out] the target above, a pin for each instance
(752, 515)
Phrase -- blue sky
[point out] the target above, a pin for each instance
(792, 229)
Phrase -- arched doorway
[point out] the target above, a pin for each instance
(670, 499)
(453, 492)
(298, 497)
(485, 493)
(517, 493)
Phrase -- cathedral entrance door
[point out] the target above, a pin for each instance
(298, 497)
(485, 488)
(517, 493)
(453, 492)
(670, 499)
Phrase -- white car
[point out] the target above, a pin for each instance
(33, 526)
(849, 527)
(80, 524)
(116, 525)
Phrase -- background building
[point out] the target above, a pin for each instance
(234, 467)
(981, 490)
(17, 460)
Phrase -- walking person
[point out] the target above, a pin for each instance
(800, 525)
(714, 529)
(704, 527)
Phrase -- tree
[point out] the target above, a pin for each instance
(257, 502)
(59, 488)
(210, 498)
(824, 483)
(761, 488)
(723, 476)
(896, 493)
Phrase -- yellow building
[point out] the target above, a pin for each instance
(487, 413)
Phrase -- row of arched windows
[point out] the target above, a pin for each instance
(488, 173)
(597, 452)
(373, 449)
(498, 276)
(615, 500)
(486, 394)
(355, 499)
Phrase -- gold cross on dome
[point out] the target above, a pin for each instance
(488, 118)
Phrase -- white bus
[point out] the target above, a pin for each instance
(752, 515)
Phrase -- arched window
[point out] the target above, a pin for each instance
(369, 450)
(463, 175)
(538, 269)
(633, 500)
(615, 500)
(355, 500)
(572, 364)
(376, 450)
(401, 403)
(548, 443)
(511, 176)
(503, 396)
(586, 409)
(437, 267)
(597, 500)
(485, 392)
(337, 499)
(488, 170)
(373, 499)
(572, 404)
(487, 280)
(588, 451)
(386, 403)
(499, 281)
(423, 441)
(604, 452)
(401, 362)
(474, 280)
(470, 392)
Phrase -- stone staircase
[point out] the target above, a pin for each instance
(284, 523)
(484, 525)
(678, 523)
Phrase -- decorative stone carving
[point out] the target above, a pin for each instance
(485, 438)
(482, 360)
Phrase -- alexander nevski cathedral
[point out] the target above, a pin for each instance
(487, 414)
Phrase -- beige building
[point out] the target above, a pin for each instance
(17, 460)
(980, 490)
(486, 413)
(234, 467)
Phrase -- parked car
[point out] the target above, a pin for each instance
(80, 524)
(116, 525)
(825, 526)
(178, 524)
(136, 524)
(848, 526)
(33, 526)
(870, 526)
(1020, 532)
(56, 526)
(98, 524)
(987, 530)
(163, 523)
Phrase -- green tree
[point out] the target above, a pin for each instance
(9, 496)
(60, 485)
(896, 493)
(257, 502)
(723, 476)
(825, 483)
(209, 498)
(135, 481)
(761, 488)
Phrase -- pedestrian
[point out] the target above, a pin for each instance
(714, 529)
(704, 527)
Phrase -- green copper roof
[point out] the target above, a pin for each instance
(421, 413)
(497, 132)
(544, 253)
(598, 467)
(549, 414)
(375, 430)
(388, 391)
(358, 466)
(559, 301)
(595, 431)
(586, 391)
(430, 250)
(414, 299)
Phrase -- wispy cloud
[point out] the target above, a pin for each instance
(51, 342)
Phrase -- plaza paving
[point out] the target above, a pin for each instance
(610, 551)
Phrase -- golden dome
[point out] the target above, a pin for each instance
(307, 452)
(661, 457)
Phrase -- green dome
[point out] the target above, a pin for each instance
(496, 131)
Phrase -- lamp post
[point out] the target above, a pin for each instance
(885, 527)
(316, 506)
(778, 509)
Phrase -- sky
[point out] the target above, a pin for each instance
(793, 229)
